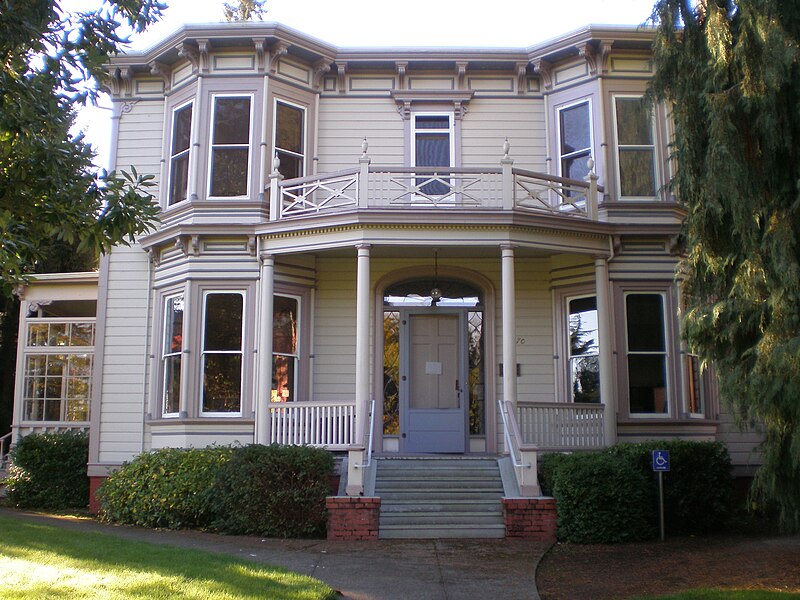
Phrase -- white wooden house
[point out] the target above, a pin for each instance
(478, 243)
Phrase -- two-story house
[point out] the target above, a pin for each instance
(384, 252)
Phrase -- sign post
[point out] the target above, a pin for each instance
(661, 464)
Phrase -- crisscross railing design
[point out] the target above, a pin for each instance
(317, 194)
(538, 192)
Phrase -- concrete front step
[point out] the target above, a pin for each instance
(488, 505)
(440, 518)
(423, 532)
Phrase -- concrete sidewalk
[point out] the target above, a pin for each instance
(383, 570)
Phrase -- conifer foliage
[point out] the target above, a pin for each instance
(730, 70)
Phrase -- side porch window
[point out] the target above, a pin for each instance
(583, 350)
(285, 348)
(646, 350)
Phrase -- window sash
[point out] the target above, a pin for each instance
(636, 158)
(572, 159)
(222, 392)
(433, 145)
(180, 148)
(285, 357)
(292, 155)
(229, 158)
(57, 387)
(648, 375)
(171, 354)
(583, 367)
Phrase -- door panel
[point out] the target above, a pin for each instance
(436, 420)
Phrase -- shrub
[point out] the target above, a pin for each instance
(600, 498)
(274, 491)
(165, 488)
(48, 470)
(698, 488)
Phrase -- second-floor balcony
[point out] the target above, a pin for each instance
(367, 186)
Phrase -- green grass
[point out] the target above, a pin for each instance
(717, 594)
(41, 561)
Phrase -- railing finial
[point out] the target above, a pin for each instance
(506, 148)
(364, 147)
(276, 163)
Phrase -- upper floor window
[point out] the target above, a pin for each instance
(584, 350)
(222, 353)
(433, 139)
(646, 353)
(636, 153)
(171, 353)
(290, 139)
(575, 140)
(179, 154)
(230, 146)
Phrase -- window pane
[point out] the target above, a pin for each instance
(585, 378)
(223, 325)
(58, 335)
(172, 384)
(284, 338)
(583, 326)
(291, 166)
(477, 398)
(576, 166)
(289, 128)
(222, 382)
(179, 178)
(77, 409)
(283, 375)
(52, 410)
(82, 334)
(433, 150)
(229, 172)
(181, 129)
(634, 122)
(391, 372)
(37, 334)
(232, 121)
(647, 381)
(645, 318)
(55, 365)
(432, 122)
(173, 326)
(80, 365)
(575, 128)
(637, 172)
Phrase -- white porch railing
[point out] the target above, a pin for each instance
(561, 426)
(5, 448)
(523, 455)
(328, 425)
(391, 187)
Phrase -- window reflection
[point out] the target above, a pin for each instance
(584, 359)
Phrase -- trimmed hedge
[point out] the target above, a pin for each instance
(618, 485)
(48, 470)
(274, 491)
(170, 488)
(264, 490)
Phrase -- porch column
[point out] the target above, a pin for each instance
(604, 333)
(362, 343)
(264, 379)
(509, 327)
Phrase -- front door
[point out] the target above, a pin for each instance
(435, 420)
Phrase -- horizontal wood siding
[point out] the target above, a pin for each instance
(489, 121)
(345, 122)
(141, 139)
(124, 360)
(742, 445)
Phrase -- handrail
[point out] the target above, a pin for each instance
(5, 449)
(371, 434)
(512, 434)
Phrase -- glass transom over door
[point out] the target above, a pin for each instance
(435, 417)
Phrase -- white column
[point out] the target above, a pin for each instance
(509, 327)
(362, 343)
(604, 333)
(264, 379)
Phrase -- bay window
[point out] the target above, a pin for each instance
(222, 353)
(230, 146)
(171, 354)
(289, 139)
(179, 154)
(575, 140)
(646, 349)
(636, 155)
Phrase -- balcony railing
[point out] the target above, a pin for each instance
(328, 425)
(381, 187)
(561, 426)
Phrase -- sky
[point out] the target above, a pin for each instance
(364, 23)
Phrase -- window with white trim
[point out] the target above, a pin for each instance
(58, 359)
(230, 146)
(222, 353)
(432, 145)
(575, 140)
(179, 154)
(285, 348)
(583, 349)
(290, 139)
(636, 151)
(171, 354)
(646, 349)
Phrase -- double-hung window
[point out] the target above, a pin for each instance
(646, 353)
(171, 353)
(285, 348)
(290, 142)
(230, 146)
(636, 151)
(433, 146)
(222, 352)
(575, 140)
(584, 350)
(179, 154)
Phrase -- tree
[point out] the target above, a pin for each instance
(730, 70)
(244, 10)
(49, 189)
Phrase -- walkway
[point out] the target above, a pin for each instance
(383, 570)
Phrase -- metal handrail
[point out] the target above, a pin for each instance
(512, 434)
(5, 449)
(371, 434)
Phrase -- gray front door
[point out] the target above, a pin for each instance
(435, 420)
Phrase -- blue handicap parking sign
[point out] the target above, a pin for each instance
(660, 460)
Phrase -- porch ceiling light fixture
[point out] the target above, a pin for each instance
(436, 293)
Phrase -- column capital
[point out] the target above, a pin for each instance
(363, 247)
(507, 248)
(266, 258)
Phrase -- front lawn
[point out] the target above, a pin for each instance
(39, 561)
(720, 594)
